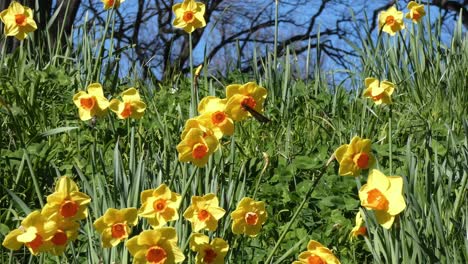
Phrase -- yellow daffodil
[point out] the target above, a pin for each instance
(354, 157)
(197, 146)
(112, 3)
(67, 202)
(359, 229)
(132, 106)
(383, 195)
(379, 92)
(213, 115)
(199, 124)
(18, 20)
(391, 21)
(33, 233)
(116, 225)
(204, 212)
(189, 15)
(248, 217)
(159, 206)
(208, 253)
(66, 232)
(241, 96)
(90, 104)
(416, 11)
(317, 254)
(157, 246)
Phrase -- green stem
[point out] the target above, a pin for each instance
(97, 65)
(390, 140)
(275, 48)
(194, 94)
(298, 210)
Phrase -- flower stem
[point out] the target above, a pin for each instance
(194, 94)
(296, 214)
(390, 140)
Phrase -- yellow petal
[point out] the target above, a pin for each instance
(95, 89)
(378, 180)
(131, 95)
(11, 242)
(384, 219)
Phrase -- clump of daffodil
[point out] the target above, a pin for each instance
(116, 225)
(383, 195)
(197, 146)
(204, 212)
(208, 253)
(379, 92)
(34, 232)
(317, 254)
(358, 229)
(416, 11)
(111, 3)
(18, 20)
(239, 97)
(66, 232)
(248, 217)
(131, 105)
(213, 115)
(67, 202)
(391, 21)
(354, 157)
(91, 103)
(189, 15)
(157, 246)
(159, 206)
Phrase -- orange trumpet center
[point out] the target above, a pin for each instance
(203, 215)
(87, 103)
(390, 20)
(36, 243)
(361, 231)
(60, 238)
(188, 16)
(376, 200)
(20, 19)
(313, 259)
(416, 15)
(127, 111)
(210, 256)
(156, 255)
(68, 208)
(361, 160)
(377, 97)
(251, 218)
(118, 230)
(249, 101)
(199, 151)
(218, 117)
(159, 205)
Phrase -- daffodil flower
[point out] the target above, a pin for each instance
(358, 229)
(208, 253)
(204, 212)
(155, 246)
(159, 206)
(66, 232)
(67, 202)
(115, 225)
(354, 157)
(18, 20)
(391, 21)
(213, 115)
(317, 254)
(197, 146)
(416, 11)
(189, 15)
(379, 92)
(239, 96)
(111, 3)
(33, 233)
(248, 217)
(383, 194)
(131, 107)
(91, 103)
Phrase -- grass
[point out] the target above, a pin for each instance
(422, 137)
